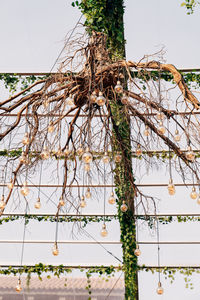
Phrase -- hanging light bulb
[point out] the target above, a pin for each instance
(25, 140)
(70, 100)
(88, 193)
(138, 151)
(104, 231)
(190, 155)
(37, 203)
(160, 289)
(10, 185)
(124, 207)
(67, 151)
(87, 167)
(146, 131)
(55, 250)
(59, 152)
(161, 128)
(111, 199)
(24, 190)
(198, 200)
(45, 153)
(61, 201)
(2, 202)
(124, 99)
(106, 158)
(137, 251)
(171, 188)
(93, 97)
(177, 136)
(23, 159)
(160, 116)
(51, 127)
(118, 88)
(83, 202)
(118, 157)
(18, 286)
(80, 150)
(87, 156)
(193, 194)
(101, 100)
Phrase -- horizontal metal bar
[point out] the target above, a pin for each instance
(170, 243)
(74, 242)
(101, 215)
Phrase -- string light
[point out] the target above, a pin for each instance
(51, 127)
(59, 152)
(23, 158)
(146, 131)
(118, 88)
(87, 167)
(67, 151)
(24, 190)
(111, 199)
(138, 150)
(10, 185)
(160, 289)
(18, 286)
(160, 116)
(198, 200)
(124, 99)
(190, 155)
(55, 250)
(93, 97)
(124, 207)
(87, 156)
(2, 202)
(106, 158)
(88, 193)
(101, 100)
(38, 203)
(83, 202)
(25, 140)
(177, 136)
(104, 231)
(193, 194)
(80, 150)
(171, 188)
(61, 201)
(45, 154)
(137, 251)
(70, 100)
(118, 157)
(161, 128)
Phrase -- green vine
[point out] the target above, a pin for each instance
(190, 5)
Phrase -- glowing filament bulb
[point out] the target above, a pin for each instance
(45, 154)
(161, 128)
(87, 167)
(111, 199)
(198, 200)
(2, 202)
(124, 99)
(70, 100)
(22, 158)
(124, 207)
(10, 185)
(106, 158)
(160, 116)
(38, 204)
(93, 97)
(160, 289)
(146, 131)
(118, 88)
(193, 194)
(138, 151)
(67, 151)
(18, 286)
(101, 100)
(51, 127)
(59, 152)
(61, 201)
(80, 150)
(24, 190)
(104, 231)
(118, 157)
(137, 251)
(55, 250)
(25, 140)
(88, 193)
(83, 202)
(177, 136)
(87, 156)
(171, 188)
(190, 155)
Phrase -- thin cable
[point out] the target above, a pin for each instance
(114, 286)
(158, 241)
(23, 239)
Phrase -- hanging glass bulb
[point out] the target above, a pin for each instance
(87, 156)
(106, 158)
(61, 201)
(146, 131)
(24, 190)
(93, 97)
(67, 151)
(80, 150)
(198, 200)
(177, 136)
(70, 100)
(83, 202)
(118, 157)
(111, 199)
(59, 152)
(55, 250)
(124, 99)
(118, 87)
(37, 203)
(137, 251)
(124, 207)
(87, 167)
(171, 188)
(161, 128)
(101, 100)
(25, 140)
(18, 286)
(193, 194)
(2, 202)
(51, 127)
(138, 151)
(88, 193)
(45, 153)
(23, 159)
(104, 231)
(160, 116)
(160, 289)
(190, 155)
(10, 185)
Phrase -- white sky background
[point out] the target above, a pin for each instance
(32, 35)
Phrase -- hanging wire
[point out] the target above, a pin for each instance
(23, 238)
(104, 195)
